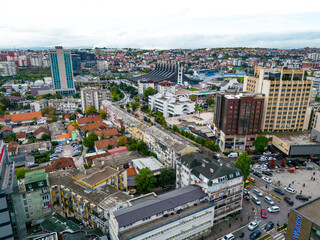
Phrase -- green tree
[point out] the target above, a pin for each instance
(102, 113)
(89, 141)
(77, 95)
(45, 137)
(136, 98)
(175, 128)
(212, 146)
(89, 110)
(21, 172)
(210, 100)
(260, 143)
(122, 141)
(145, 179)
(148, 92)
(135, 106)
(167, 177)
(243, 162)
(193, 98)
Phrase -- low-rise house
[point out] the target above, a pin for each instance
(6, 131)
(13, 148)
(21, 118)
(43, 146)
(129, 183)
(118, 150)
(104, 144)
(56, 128)
(94, 127)
(66, 117)
(74, 132)
(21, 136)
(106, 132)
(63, 138)
(91, 119)
(60, 164)
(40, 131)
(148, 162)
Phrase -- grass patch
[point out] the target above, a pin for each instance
(192, 89)
(265, 237)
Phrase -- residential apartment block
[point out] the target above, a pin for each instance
(143, 85)
(221, 181)
(7, 69)
(287, 94)
(166, 145)
(94, 97)
(237, 120)
(85, 199)
(61, 70)
(171, 105)
(184, 213)
(65, 104)
(35, 196)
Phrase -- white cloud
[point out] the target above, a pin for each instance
(162, 24)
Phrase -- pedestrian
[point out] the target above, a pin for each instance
(314, 179)
(300, 192)
(292, 182)
(229, 225)
(311, 178)
(314, 173)
(304, 185)
(289, 185)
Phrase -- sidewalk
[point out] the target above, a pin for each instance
(222, 228)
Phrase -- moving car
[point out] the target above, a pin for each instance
(269, 226)
(278, 190)
(267, 179)
(302, 197)
(269, 200)
(257, 174)
(255, 234)
(256, 191)
(229, 236)
(290, 190)
(288, 200)
(263, 213)
(253, 225)
(273, 209)
(256, 200)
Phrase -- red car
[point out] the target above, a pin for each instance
(263, 213)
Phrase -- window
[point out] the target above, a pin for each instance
(40, 183)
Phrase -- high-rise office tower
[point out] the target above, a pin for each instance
(61, 70)
(237, 120)
(287, 93)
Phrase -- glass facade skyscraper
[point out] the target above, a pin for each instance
(61, 71)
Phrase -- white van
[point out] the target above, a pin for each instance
(229, 236)
(233, 155)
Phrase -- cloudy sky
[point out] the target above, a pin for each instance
(160, 24)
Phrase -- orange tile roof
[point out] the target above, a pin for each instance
(71, 128)
(103, 144)
(66, 135)
(89, 119)
(25, 116)
(107, 132)
(21, 135)
(6, 128)
(131, 171)
(12, 146)
(94, 126)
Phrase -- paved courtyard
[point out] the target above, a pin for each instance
(298, 178)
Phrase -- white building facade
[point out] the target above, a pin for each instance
(7, 69)
(94, 97)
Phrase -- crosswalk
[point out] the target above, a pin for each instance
(279, 236)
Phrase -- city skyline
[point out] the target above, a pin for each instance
(168, 25)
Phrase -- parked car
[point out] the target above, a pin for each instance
(268, 173)
(267, 179)
(288, 200)
(273, 209)
(290, 190)
(263, 213)
(302, 197)
(253, 225)
(246, 192)
(257, 174)
(54, 155)
(229, 236)
(256, 200)
(278, 190)
(34, 165)
(37, 229)
(54, 158)
(233, 155)
(258, 192)
(263, 158)
(267, 153)
(269, 226)
(251, 179)
(58, 151)
(269, 200)
(92, 151)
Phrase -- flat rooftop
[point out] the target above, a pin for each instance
(296, 138)
(163, 221)
(308, 210)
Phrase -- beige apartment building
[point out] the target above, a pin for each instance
(287, 94)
